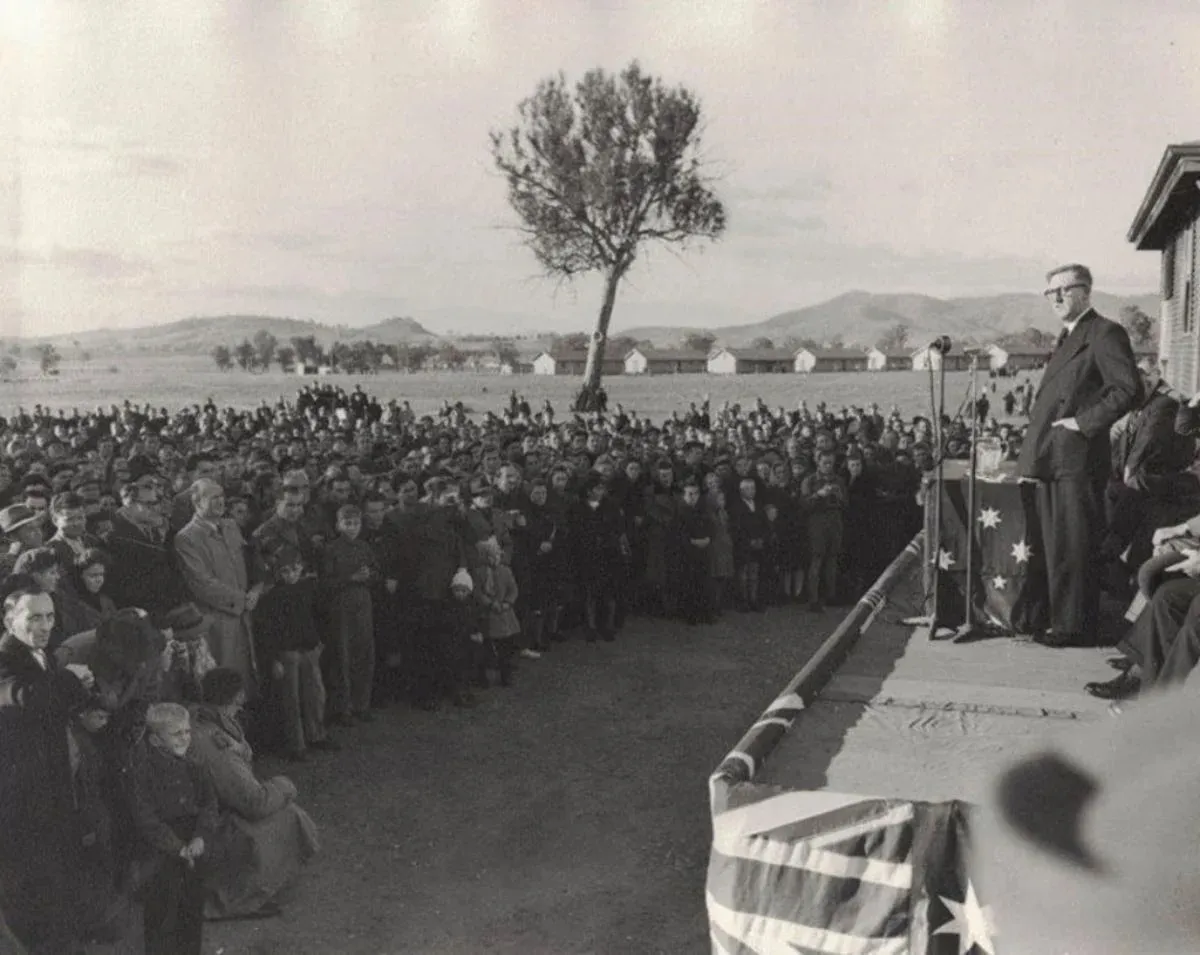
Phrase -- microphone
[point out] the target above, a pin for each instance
(941, 344)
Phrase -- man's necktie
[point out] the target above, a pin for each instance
(1062, 337)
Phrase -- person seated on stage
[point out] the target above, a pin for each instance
(1149, 466)
(1164, 645)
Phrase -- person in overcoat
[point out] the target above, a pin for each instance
(37, 700)
(1089, 383)
(661, 510)
(272, 837)
(601, 550)
(543, 548)
(143, 572)
(212, 557)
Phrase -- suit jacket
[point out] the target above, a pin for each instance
(1091, 377)
(66, 554)
(143, 571)
(35, 770)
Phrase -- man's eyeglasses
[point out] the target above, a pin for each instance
(1058, 294)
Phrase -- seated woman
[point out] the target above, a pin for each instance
(276, 836)
(83, 604)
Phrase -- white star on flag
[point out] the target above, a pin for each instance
(989, 517)
(999, 582)
(970, 921)
(945, 559)
(1022, 552)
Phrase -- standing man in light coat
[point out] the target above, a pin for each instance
(212, 558)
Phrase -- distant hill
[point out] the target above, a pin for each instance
(863, 318)
(198, 336)
(856, 317)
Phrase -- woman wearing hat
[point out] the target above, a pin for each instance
(22, 528)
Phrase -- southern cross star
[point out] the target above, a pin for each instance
(999, 582)
(945, 559)
(970, 921)
(1021, 552)
(989, 517)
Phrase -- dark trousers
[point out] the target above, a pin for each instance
(1072, 528)
(1124, 510)
(1165, 640)
(173, 917)
(350, 649)
(438, 664)
(695, 585)
(825, 548)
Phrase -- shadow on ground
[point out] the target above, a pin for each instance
(567, 814)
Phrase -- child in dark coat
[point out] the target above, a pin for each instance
(348, 568)
(695, 529)
(175, 813)
(461, 639)
(289, 649)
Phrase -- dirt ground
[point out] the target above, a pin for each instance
(565, 815)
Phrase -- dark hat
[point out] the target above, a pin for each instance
(140, 466)
(128, 639)
(185, 622)
(17, 515)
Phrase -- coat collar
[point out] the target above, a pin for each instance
(1069, 347)
(11, 646)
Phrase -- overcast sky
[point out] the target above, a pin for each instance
(329, 159)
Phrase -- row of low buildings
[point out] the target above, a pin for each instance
(750, 361)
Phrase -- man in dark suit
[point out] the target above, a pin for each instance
(1089, 383)
(37, 887)
(1149, 464)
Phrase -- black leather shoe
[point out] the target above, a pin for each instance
(1058, 639)
(1120, 663)
(1119, 688)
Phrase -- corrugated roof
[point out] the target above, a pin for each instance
(1170, 194)
(839, 354)
(760, 354)
(671, 354)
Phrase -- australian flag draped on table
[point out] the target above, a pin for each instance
(1008, 567)
(820, 873)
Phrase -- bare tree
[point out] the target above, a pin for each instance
(595, 173)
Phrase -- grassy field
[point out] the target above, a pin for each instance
(178, 382)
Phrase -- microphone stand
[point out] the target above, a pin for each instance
(939, 483)
(967, 630)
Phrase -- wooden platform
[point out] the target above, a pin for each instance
(908, 717)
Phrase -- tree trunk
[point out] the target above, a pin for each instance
(595, 358)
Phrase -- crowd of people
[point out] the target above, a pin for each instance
(183, 590)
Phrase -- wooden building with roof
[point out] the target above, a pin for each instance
(1166, 222)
